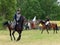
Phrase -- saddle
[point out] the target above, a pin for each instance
(13, 24)
(48, 26)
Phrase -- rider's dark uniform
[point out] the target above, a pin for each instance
(18, 19)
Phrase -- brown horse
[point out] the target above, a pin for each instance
(51, 26)
(18, 28)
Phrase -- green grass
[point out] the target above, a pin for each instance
(31, 37)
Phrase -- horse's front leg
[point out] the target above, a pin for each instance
(41, 31)
(47, 28)
(10, 34)
(47, 31)
(19, 37)
(13, 35)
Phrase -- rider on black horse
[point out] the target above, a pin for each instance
(18, 18)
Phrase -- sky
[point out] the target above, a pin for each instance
(58, 0)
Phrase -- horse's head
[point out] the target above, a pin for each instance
(42, 21)
(6, 23)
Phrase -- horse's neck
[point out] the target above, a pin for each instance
(42, 24)
(8, 25)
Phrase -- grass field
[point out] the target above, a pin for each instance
(31, 37)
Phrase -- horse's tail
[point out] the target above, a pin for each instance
(57, 27)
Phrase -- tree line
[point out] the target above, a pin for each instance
(30, 8)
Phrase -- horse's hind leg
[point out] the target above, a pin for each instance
(47, 31)
(56, 28)
(13, 34)
(56, 31)
(41, 31)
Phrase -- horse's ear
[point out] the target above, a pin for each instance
(9, 22)
(24, 18)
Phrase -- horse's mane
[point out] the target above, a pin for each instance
(42, 21)
(6, 22)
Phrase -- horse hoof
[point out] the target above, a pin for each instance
(11, 39)
(17, 40)
(48, 33)
(56, 32)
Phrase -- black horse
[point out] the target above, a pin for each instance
(18, 28)
(50, 26)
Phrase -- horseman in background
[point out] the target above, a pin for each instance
(47, 22)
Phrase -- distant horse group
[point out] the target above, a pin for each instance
(52, 26)
(19, 27)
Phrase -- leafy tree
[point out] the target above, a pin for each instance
(30, 8)
(39, 8)
(7, 8)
